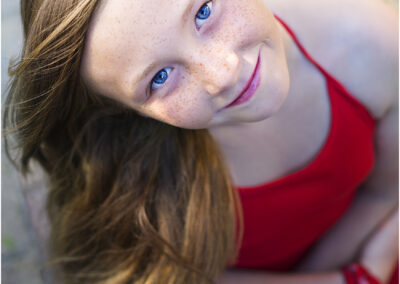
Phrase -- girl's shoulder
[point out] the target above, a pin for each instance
(354, 40)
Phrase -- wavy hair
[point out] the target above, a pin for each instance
(130, 199)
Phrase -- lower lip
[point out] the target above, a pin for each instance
(255, 83)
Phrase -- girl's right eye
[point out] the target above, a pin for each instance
(160, 78)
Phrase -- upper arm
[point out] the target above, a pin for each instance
(369, 64)
(383, 179)
(378, 85)
(372, 76)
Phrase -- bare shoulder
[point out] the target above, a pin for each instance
(355, 40)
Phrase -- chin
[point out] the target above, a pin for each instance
(270, 101)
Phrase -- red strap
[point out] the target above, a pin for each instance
(370, 277)
(300, 46)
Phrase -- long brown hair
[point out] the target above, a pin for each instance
(130, 200)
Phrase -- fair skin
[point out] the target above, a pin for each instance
(210, 61)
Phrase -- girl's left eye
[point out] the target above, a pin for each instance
(160, 78)
(204, 13)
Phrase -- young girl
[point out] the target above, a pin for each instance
(201, 141)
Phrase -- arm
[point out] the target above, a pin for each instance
(323, 265)
(379, 253)
(239, 276)
(363, 218)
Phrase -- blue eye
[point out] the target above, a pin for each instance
(203, 13)
(160, 78)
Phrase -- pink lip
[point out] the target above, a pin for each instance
(250, 88)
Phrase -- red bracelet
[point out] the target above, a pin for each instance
(348, 276)
(355, 273)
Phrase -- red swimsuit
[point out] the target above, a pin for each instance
(285, 217)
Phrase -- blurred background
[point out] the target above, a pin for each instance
(23, 222)
(23, 225)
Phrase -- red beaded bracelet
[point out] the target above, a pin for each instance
(355, 273)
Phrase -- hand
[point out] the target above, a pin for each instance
(380, 253)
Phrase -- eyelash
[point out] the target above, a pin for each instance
(151, 89)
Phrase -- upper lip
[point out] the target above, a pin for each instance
(249, 81)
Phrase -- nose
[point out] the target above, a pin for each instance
(217, 70)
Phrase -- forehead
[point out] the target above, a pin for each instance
(124, 36)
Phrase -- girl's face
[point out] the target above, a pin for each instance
(184, 61)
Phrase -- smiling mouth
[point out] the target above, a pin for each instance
(250, 88)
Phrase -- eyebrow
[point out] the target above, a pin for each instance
(150, 67)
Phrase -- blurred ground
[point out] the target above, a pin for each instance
(23, 225)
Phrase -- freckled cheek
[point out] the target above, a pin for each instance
(185, 110)
(245, 23)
